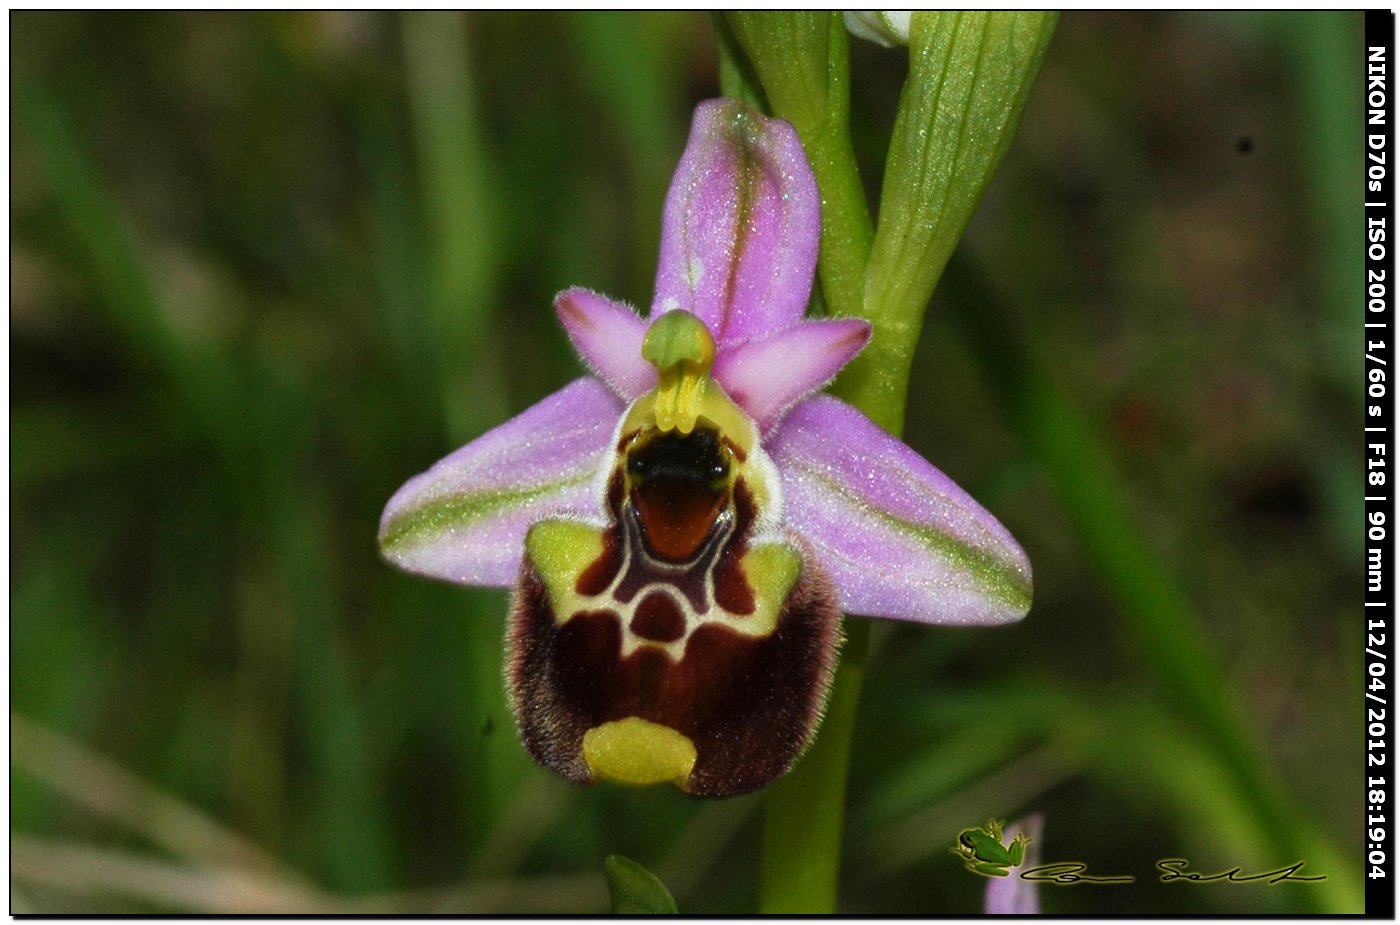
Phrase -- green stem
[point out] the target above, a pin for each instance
(804, 812)
(969, 77)
(459, 215)
(796, 64)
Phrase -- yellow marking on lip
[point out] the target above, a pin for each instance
(637, 751)
(771, 570)
(560, 550)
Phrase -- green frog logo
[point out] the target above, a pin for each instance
(984, 853)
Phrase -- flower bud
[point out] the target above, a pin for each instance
(883, 27)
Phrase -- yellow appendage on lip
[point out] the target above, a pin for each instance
(638, 751)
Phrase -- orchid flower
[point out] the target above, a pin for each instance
(683, 527)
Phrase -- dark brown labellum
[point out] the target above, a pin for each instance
(681, 642)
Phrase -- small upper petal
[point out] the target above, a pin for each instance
(465, 519)
(767, 376)
(608, 335)
(741, 227)
(897, 536)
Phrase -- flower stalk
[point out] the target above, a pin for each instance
(970, 74)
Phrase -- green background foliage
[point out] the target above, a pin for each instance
(266, 267)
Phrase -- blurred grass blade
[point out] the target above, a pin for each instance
(55, 442)
(459, 204)
(631, 60)
(102, 873)
(969, 76)
(636, 890)
(703, 842)
(802, 60)
(128, 299)
(459, 207)
(911, 841)
(1320, 48)
(125, 295)
(103, 787)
